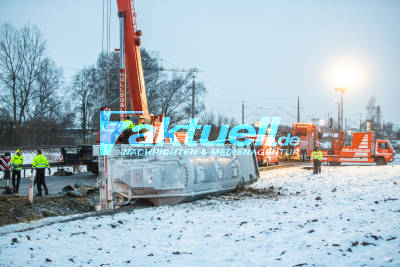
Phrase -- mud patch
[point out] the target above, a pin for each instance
(250, 192)
(258, 192)
(16, 209)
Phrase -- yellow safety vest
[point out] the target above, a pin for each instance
(17, 161)
(40, 162)
(127, 125)
(317, 155)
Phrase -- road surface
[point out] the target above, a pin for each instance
(56, 183)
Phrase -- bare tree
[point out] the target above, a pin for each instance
(170, 95)
(46, 101)
(10, 67)
(21, 54)
(82, 93)
(207, 117)
(66, 117)
(88, 95)
(32, 49)
(372, 112)
(108, 79)
(216, 121)
(154, 79)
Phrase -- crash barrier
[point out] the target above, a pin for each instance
(7, 174)
(176, 176)
(57, 165)
(5, 166)
(5, 162)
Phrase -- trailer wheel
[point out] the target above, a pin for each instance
(334, 163)
(380, 161)
(93, 167)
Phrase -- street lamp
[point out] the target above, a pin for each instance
(341, 90)
(360, 120)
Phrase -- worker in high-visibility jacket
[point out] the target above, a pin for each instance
(317, 156)
(40, 164)
(127, 126)
(16, 165)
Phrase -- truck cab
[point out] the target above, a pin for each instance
(363, 149)
(267, 154)
(309, 135)
(384, 152)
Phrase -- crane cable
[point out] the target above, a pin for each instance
(105, 101)
(108, 44)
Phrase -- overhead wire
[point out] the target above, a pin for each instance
(286, 112)
(108, 25)
(102, 58)
(102, 34)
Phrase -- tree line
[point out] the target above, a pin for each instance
(38, 108)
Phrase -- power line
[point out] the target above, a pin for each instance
(254, 112)
(287, 112)
(241, 92)
(102, 33)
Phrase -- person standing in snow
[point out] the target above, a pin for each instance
(16, 164)
(40, 164)
(317, 156)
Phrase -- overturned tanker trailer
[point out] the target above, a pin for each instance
(170, 175)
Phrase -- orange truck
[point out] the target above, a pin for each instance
(267, 153)
(364, 149)
(309, 139)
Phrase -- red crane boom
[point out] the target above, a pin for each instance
(130, 59)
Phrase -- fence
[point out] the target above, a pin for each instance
(38, 136)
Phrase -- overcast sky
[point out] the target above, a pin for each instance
(263, 52)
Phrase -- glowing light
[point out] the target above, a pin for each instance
(346, 75)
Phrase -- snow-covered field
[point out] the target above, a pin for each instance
(346, 216)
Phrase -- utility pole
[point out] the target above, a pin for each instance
(341, 90)
(328, 118)
(378, 119)
(242, 112)
(341, 109)
(338, 120)
(193, 91)
(298, 109)
(360, 120)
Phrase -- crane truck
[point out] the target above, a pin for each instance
(364, 149)
(160, 178)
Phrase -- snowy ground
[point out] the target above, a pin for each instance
(347, 216)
